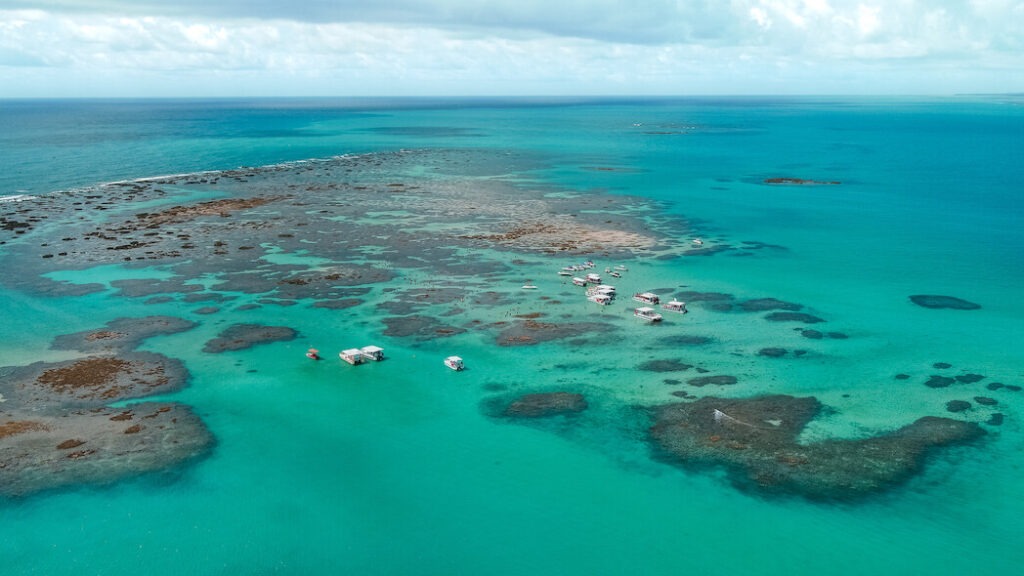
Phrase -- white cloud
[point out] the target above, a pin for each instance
(408, 46)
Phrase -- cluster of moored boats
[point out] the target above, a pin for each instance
(604, 294)
(356, 356)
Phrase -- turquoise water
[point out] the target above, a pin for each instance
(391, 468)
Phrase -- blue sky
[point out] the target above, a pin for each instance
(90, 48)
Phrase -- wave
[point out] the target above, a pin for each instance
(16, 198)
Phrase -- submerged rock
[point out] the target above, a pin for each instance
(756, 441)
(958, 405)
(722, 380)
(540, 405)
(122, 334)
(793, 317)
(243, 336)
(665, 366)
(937, 301)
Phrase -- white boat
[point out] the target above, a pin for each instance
(455, 363)
(579, 281)
(603, 290)
(675, 306)
(594, 278)
(621, 268)
(698, 241)
(616, 275)
(565, 272)
(602, 299)
(647, 297)
(372, 352)
(647, 313)
(529, 287)
(353, 356)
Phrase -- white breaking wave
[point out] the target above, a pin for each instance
(16, 198)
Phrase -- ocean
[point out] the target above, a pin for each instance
(432, 213)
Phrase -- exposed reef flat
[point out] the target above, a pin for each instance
(95, 446)
(57, 426)
(122, 334)
(756, 441)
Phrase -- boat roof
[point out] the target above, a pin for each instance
(351, 351)
(648, 294)
(454, 358)
(372, 349)
(645, 309)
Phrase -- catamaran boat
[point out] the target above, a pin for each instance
(375, 353)
(602, 299)
(594, 278)
(675, 306)
(647, 298)
(353, 356)
(455, 363)
(579, 281)
(648, 314)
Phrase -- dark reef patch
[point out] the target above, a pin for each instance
(685, 340)
(722, 380)
(243, 336)
(936, 301)
(793, 317)
(121, 334)
(765, 304)
(772, 352)
(665, 366)
(756, 441)
(529, 332)
(544, 405)
(957, 405)
(936, 381)
(419, 327)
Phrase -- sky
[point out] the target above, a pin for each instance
(221, 48)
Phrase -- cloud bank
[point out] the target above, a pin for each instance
(354, 47)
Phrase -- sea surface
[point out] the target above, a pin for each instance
(396, 468)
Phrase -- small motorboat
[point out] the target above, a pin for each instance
(313, 354)
(579, 281)
(375, 353)
(647, 314)
(616, 275)
(529, 287)
(455, 363)
(675, 306)
(646, 297)
(698, 242)
(353, 356)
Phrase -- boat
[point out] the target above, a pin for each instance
(455, 363)
(565, 272)
(602, 289)
(598, 298)
(616, 275)
(529, 287)
(698, 241)
(647, 313)
(675, 306)
(375, 353)
(621, 268)
(353, 356)
(313, 354)
(646, 297)
(594, 278)
(579, 281)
